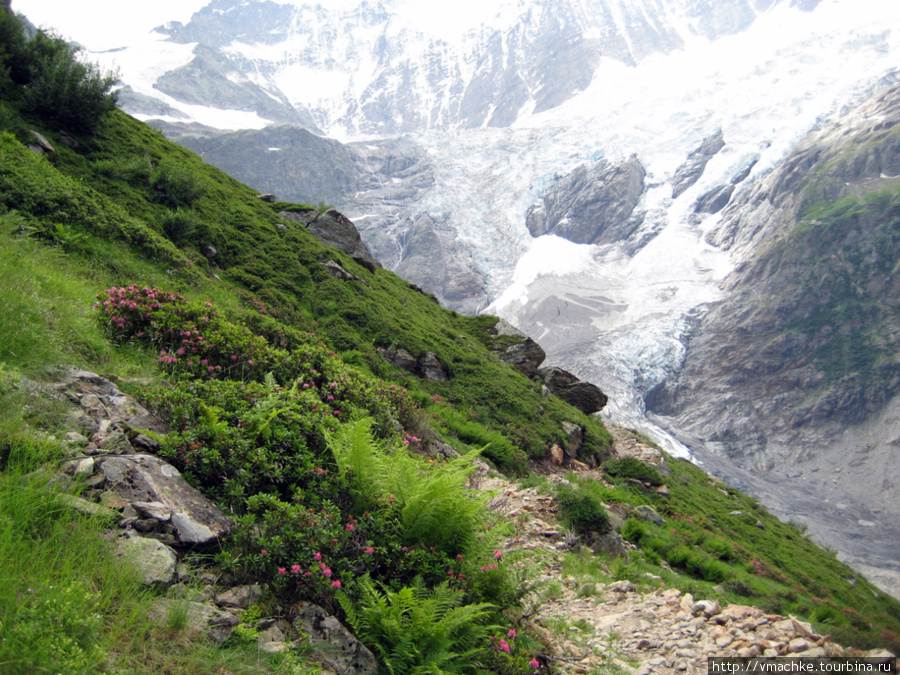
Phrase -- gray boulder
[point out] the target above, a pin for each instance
(582, 395)
(526, 357)
(154, 560)
(332, 644)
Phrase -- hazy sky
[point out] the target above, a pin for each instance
(105, 24)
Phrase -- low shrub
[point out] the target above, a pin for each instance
(175, 184)
(581, 510)
(629, 467)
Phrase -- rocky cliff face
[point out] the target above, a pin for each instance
(796, 374)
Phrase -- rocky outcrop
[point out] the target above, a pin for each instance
(690, 172)
(426, 366)
(336, 230)
(585, 396)
(592, 205)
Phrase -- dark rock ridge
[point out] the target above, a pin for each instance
(335, 229)
(591, 205)
(715, 200)
(796, 373)
(690, 172)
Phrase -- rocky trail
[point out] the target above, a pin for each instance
(156, 517)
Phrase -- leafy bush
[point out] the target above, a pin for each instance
(630, 467)
(581, 510)
(176, 184)
(57, 86)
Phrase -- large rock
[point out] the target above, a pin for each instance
(145, 478)
(591, 205)
(335, 229)
(333, 644)
(582, 395)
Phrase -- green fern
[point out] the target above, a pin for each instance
(435, 507)
(419, 631)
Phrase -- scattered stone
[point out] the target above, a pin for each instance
(240, 597)
(623, 586)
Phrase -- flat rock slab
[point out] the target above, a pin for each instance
(154, 560)
(146, 479)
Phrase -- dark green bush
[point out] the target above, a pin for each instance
(176, 184)
(581, 510)
(60, 87)
(180, 224)
(629, 467)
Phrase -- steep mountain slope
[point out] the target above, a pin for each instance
(291, 378)
(795, 375)
(709, 97)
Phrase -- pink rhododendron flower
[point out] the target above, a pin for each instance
(317, 555)
(369, 550)
(534, 663)
(282, 570)
(295, 569)
(336, 583)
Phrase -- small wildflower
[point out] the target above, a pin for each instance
(264, 552)
(504, 645)
(498, 554)
(512, 633)
(350, 527)
(327, 573)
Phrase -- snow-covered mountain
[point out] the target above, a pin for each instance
(562, 163)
